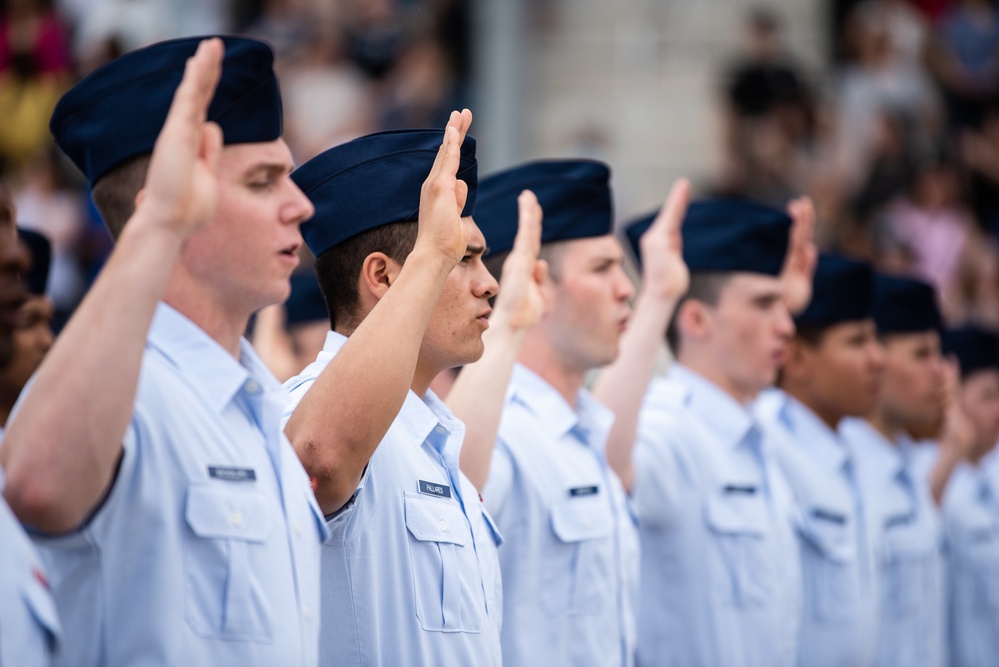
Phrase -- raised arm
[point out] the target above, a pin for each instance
(478, 394)
(957, 435)
(61, 450)
(622, 385)
(346, 413)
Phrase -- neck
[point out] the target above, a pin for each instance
(222, 324)
(564, 378)
(423, 376)
(885, 425)
(828, 417)
(711, 373)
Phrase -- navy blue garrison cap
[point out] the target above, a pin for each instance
(904, 305)
(305, 303)
(374, 181)
(117, 111)
(37, 277)
(976, 348)
(726, 235)
(575, 199)
(842, 291)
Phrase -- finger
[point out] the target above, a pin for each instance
(670, 216)
(448, 154)
(466, 122)
(197, 86)
(460, 194)
(528, 239)
(540, 271)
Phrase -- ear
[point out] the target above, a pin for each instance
(796, 358)
(378, 273)
(139, 197)
(693, 320)
(547, 287)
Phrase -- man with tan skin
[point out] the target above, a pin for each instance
(412, 495)
(182, 469)
(903, 524)
(970, 508)
(29, 626)
(832, 369)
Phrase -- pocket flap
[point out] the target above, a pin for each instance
(738, 513)
(911, 541)
(581, 519)
(435, 520)
(829, 531)
(224, 511)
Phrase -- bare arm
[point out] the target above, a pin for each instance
(478, 395)
(957, 435)
(61, 450)
(622, 385)
(346, 413)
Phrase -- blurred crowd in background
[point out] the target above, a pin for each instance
(897, 139)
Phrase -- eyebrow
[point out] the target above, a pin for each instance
(268, 167)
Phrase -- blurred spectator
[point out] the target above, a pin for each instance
(45, 204)
(979, 149)
(34, 72)
(770, 117)
(327, 101)
(965, 59)
(934, 237)
(284, 24)
(419, 90)
(375, 35)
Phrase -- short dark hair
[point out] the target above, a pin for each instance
(706, 287)
(114, 193)
(338, 268)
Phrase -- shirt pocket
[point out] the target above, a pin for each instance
(738, 523)
(448, 584)
(226, 596)
(831, 565)
(577, 572)
(909, 558)
(980, 568)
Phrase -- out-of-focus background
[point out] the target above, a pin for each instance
(885, 111)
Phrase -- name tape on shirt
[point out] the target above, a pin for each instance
(743, 489)
(232, 474)
(832, 517)
(432, 489)
(581, 491)
(899, 520)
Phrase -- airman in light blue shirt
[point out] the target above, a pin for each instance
(903, 521)
(176, 524)
(971, 505)
(720, 579)
(29, 625)
(833, 367)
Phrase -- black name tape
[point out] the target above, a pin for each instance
(745, 490)
(829, 516)
(580, 491)
(899, 520)
(431, 489)
(232, 474)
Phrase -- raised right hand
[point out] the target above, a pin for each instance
(443, 195)
(181, 186)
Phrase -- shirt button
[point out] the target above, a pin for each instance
(442, 525)
(298, 529)
(236, 519)
(252, 386)
(439, 429)
(306, 614)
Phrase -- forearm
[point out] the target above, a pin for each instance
(346, 413)
(621, 386)
(941, 473)
(62, 447)
(478, 395)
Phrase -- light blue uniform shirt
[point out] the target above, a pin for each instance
(411, 576)
(906, 536)
(570, 562)
(971, 524)
(721, 578)
(206, 550)
(29, 627)
(839, 622)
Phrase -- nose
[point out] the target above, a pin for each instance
(876, 355)
(624, 289)
(784, 325)
(298, 208)
(484, 286)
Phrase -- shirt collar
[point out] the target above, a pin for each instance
(727, 418)
(813, 434)
(880, 451)
(590, 419)
(419, 417)
(209, 368)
